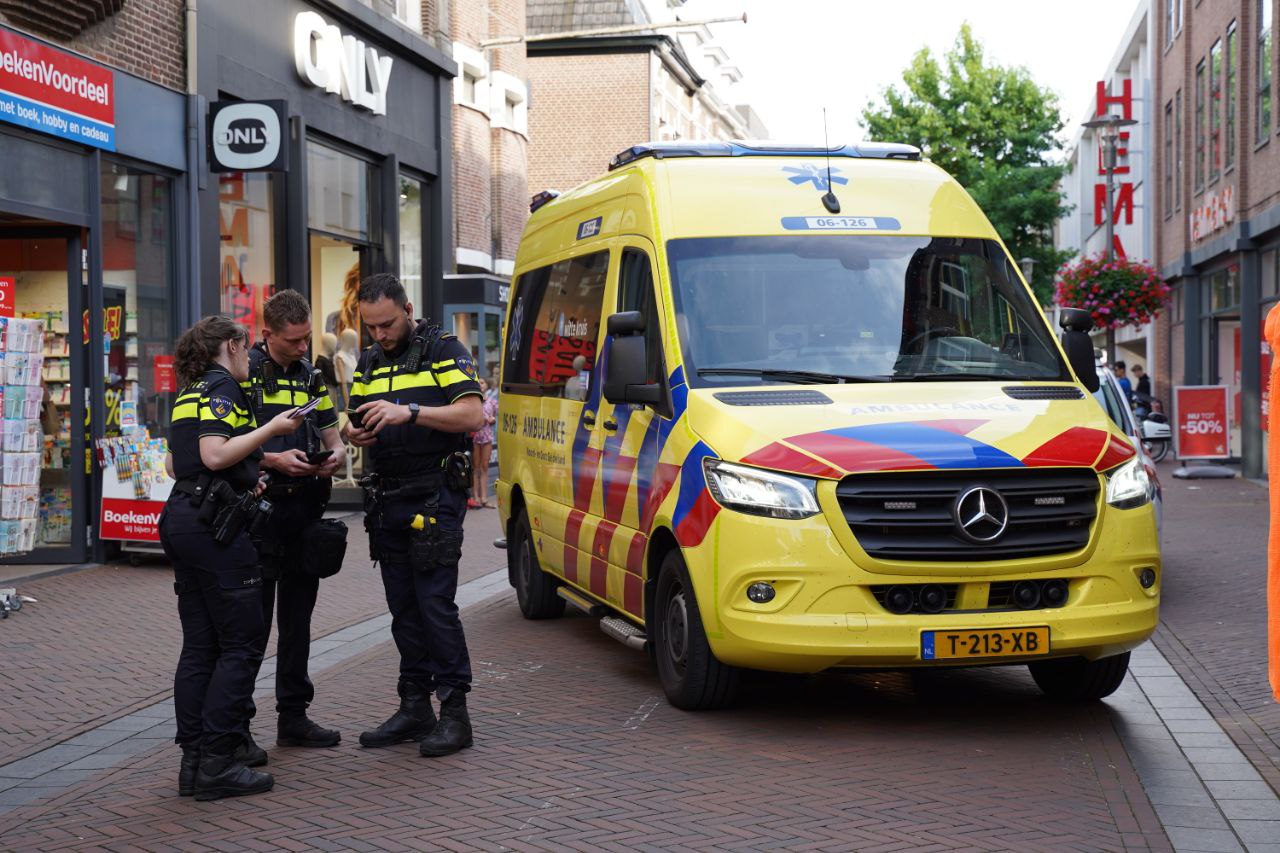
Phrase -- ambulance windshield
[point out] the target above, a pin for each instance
(814, 308)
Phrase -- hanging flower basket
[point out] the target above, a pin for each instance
(1117, 293)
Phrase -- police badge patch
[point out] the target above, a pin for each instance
(220, 406)
(468, 368)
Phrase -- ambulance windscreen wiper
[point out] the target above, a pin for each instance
(807, 377)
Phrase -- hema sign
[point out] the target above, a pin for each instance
(341, 64)
(247, 136)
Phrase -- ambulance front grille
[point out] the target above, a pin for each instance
(910, 515)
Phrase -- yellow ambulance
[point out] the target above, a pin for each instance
(792, 409)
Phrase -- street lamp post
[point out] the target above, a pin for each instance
(1110, 125)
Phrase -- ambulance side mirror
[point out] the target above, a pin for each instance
(625, 372)
(1076, 343)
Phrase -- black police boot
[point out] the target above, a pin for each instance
(221, 775)
(412, 721)
(453, 732)
(249, 753)
(187, 770)
(299, 730)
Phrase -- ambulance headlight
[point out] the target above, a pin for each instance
(758, 492)
(1128, 486)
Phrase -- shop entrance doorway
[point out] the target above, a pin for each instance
(1224, 369)
(44, 480)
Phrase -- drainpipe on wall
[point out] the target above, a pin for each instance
(189, 297)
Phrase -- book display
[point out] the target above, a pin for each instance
(21, 366)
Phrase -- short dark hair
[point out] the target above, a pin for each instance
(1119, 364)
(383, 284)
(1137, 368)
(286, 308)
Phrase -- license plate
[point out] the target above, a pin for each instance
(984, 643)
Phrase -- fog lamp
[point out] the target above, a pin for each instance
(1147, 577)
(761, 592)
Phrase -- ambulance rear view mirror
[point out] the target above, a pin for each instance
(625, 372)
(1076, 343)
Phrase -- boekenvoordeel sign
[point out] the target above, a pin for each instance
(248, 136)
(53, 92)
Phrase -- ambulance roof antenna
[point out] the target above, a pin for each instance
(829, 201)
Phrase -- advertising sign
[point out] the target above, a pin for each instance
(165, 376)
(7, 296)
(248, 136)
(131, 520)
(53, 92)
(135, 485)
(1200, 415)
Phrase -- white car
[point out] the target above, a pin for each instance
(1111, 398)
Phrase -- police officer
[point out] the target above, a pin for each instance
(281, 378)
(414, 399)
(215, 446)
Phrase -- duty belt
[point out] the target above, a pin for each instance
(407, 485)
(291, 488)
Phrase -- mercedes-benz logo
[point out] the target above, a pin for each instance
(981, 515)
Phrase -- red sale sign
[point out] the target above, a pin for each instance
(165, 375)
(1200, 415)
(7, 296)
(131, 520)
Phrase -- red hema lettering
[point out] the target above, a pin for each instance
(1124, 99)
(1123, 203)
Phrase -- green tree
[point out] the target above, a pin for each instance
(993, 129)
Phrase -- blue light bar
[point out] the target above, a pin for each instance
(736, 148)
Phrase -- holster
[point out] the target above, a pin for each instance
(424, 543)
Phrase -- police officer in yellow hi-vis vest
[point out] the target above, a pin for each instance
(414, 399)
(298, 549)
(215, 447)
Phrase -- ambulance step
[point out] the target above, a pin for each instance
(581, 603)
(624, 632)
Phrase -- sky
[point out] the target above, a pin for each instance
(798, 56)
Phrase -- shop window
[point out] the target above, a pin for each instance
(411, 239)
(337, 192)
(1215, 110)
(1200, 127)
(1229, 152)
(466, 327)
(1225, 288)
(1262, 98)
(137, 278)
(247, 266)
(556, 324)
(492, 343)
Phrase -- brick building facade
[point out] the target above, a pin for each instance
(1216, 172)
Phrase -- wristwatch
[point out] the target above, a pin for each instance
(413, 413)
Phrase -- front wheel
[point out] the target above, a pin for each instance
(690, 674)
(1157, 450)
(535, 590)
(1080, 680)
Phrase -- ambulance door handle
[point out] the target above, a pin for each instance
(589, 418)
(611, 425)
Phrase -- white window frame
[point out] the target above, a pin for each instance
(471, 62)
(506, 87)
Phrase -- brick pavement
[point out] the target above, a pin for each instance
(96, 646)
(1214, 607)
(577, 750)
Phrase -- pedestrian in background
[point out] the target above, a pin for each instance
(1142, 382)
(215, 446)
(415, 504)
(482, 448)
(1125, 385)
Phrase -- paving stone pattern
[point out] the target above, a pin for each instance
(577, 750)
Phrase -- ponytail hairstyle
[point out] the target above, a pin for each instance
(198, 347)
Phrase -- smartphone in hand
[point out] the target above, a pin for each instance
(304, 410)
(319, 456)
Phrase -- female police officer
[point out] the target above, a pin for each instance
(214, 453)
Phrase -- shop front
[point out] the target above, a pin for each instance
(475, 309)
(93, 165)
(366, 187)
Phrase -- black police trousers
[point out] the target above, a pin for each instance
(294, 593)
(424, 616)
(220, 604)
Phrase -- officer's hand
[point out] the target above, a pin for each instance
(381, 413)
(293, 463)
(282, 424)
(359, 437)
(334, 462)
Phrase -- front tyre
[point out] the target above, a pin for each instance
(535, 590)
(1080, 680)
(690, 674)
